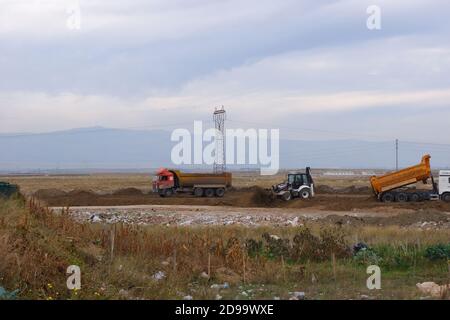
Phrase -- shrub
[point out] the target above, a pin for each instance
(438, 252)
(367, 256)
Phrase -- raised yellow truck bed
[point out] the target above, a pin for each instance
(402, 178)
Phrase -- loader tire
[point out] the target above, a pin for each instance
(305, 194)
(287, 196)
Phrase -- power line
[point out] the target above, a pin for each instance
(338, 132)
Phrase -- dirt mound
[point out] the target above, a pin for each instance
(324, 189)
(81, 193)
(354, 190)
(261, 197)
(49, 193)
(128, 192)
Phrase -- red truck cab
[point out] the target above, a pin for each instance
(163, 180)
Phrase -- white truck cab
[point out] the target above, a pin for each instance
(444, 185)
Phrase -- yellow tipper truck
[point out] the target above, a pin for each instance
(391, 187)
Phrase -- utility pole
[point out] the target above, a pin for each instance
(396, 154)
(219, 122)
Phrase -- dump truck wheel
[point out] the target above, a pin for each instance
(446, 197)
(415, 197)
(220, 192)
(287, 196)
(401, 197)
(388, 197)
(209, 193)
(305, 194)
(198, 192)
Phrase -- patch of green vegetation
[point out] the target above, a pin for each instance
(438, 252)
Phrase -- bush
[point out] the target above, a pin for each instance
(367, 256)
(438, 252)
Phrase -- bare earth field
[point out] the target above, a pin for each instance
(128, 198)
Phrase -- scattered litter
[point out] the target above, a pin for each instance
(204, 275)
(220, 286)
(360, 246)
(95, 218)
(124, 293)
(7, 295)
(188, 298)
(297, 295)
(159, 275)
(293, 222)
(218, 297)
(433, 289)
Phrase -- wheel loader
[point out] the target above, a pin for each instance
(297, 185)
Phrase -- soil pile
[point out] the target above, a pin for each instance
(128, 192)
(262, 198)
(48, 193)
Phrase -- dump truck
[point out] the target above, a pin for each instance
(393, 186)
(7, 189)
(297, 185)
(169, 182)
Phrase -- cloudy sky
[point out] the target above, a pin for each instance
(309, 65)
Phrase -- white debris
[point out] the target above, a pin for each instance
(275, 237)
(433, 289)
(204, 275)
(95, 218)
(124, 293)
(220, 286)
(293, 222)
(188, 298)
(159, 275)
(218, 297)
(298, 295)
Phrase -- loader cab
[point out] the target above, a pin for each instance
(444, 185)
(296, 180)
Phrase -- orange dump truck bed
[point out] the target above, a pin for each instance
(187, 180)
(402, 178)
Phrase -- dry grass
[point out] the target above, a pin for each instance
(37, 246)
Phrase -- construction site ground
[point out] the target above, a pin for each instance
(128, 198)
(340, 200)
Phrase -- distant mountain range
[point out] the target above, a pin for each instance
(119, 149)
